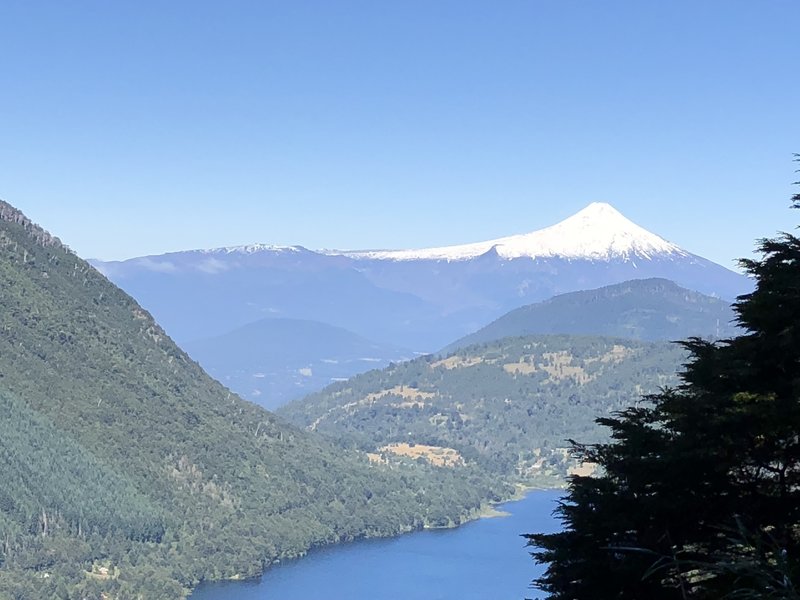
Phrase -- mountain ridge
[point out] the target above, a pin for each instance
(597, 232)
(417, 303)
(640, 309)
(611, 235)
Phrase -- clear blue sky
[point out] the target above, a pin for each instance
(132, 128)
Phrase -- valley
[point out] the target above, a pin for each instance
(128, 471)
(155, 477)
(399, 300)
(273, 361)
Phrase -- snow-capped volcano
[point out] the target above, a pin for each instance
(598, 232)
(419, 299)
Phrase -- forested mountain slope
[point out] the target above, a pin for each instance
(507, 406)
(127, 471)
(642, 309)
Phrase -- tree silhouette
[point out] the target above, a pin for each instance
(698, 491)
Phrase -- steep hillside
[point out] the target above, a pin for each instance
(273, 361)
(129, 473)
(641, 309)
(507, 406)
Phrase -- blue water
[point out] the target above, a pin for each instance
(482, 560)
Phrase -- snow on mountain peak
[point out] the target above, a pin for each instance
(252, 249)
(597, 232)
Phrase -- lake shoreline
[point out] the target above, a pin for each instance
(489, 512)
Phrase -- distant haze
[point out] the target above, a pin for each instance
(420, 300)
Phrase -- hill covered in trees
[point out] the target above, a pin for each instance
(507, 407)
(640, 309)
(127, 472)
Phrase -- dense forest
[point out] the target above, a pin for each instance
(698, 496)
(129, 473)
(508, 406)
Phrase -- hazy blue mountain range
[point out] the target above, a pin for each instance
(272, 361)
(641, 309)
(419, 299)
(201, 294)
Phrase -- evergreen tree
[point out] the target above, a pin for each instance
(698, 492)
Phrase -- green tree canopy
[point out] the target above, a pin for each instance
(698, 494)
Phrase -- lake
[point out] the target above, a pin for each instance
(482, 560)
